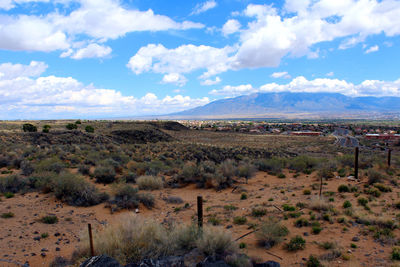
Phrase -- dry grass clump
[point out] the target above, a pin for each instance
(149, 182)
(134, 238)
(12, 183)
(271, 233)
(319, 204)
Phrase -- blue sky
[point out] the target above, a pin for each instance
(109, 58)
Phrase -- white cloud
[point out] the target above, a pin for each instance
(229, 90)
(11, 71)
(203, 7)
(209, 82)
(183, 59)
(230, 27)
(283, 74)
(91, 51)
(372, 49)
(28, 96)
(174, 78)
(330, 74)
(301, 84)
(98, 20)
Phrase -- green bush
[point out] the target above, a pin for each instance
(243, 196)
(104, 174)
(7, 215)
(272, 165)
(383, 188)
(12, 184)
(228, 168)
(246, 170)
(149, 182)
(296, 243)
(271, 233)
(343, 188)
(301, 222)
(71, 126)
(51, 219)
(362, 201)
(306, 192)
(75, 191)
(27, 127)
(313, 262)
(240, 220)
(396, 254)
(125, 197)
(89, 129)
(287, 207)
(374, 176)
(347, 204)
(258, 212)
(46, 128)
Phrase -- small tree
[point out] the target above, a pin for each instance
(71, 126)
(27, 127)
(46, 128)
(78, 122)
(89, 129)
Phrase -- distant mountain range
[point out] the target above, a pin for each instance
(286, 104)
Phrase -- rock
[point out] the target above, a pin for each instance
(355, 239)
(37, 238)
(163, 262)
(220, 263)
(100, 261)
(136, 210)
(229, 226)
(306, 234)
(268, 264)
(57, 234)
(43, 254)
(58, 249)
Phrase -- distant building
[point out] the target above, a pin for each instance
(307, 133)
(383, 136)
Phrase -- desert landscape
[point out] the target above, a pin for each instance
(292, 200)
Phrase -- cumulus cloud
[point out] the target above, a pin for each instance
(209, 82)
(94, 20)
(174, 78)
(283, 74)
(203, 7)
(301, 84)
(372, 49)
(230, 27)
(183, 59)
(91, 51)
(292, 31)
(25, 94)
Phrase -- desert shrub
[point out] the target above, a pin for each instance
(27, 127)
(347, 204)
(302, 163)
(271, 165)
(243, 196)
(228, 168)
(287, 207)
(296, 243)
(207, 167)
(125, 197)
(46, 128)
(320, 204)
(12, 183)
(71, 126)
(43, 181)
(50, 219)
(362, 201)
(89, 129)
(149, 182)
(239, 260)
(382, 187)
(51, 165)
(130, 177)
(240, 220)
(134, 238)
(395, 255)
(8, 195)
(342, 172)
(313, 262)
(258, 212)
(246, 170)
(7, 215)
(146, 199)
(75, 191)
(84, 169)
(104, 174)
(306, 192)
(281, 175)
(190, 172)
(346, 160)
(214, 220)
(301, 222)
(373, 191)
(343, 188)
(26, 168)
(271, 233)
(375, 176)
(215, 241)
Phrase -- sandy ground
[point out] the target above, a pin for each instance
(17, 234)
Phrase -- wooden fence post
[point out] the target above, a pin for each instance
(356, 163)
(389, 157)
(91, 240)
(200, 211)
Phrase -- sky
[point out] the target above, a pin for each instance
(91, 59)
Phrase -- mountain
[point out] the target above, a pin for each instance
(286, 104)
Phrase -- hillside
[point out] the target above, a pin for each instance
(321, 104)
